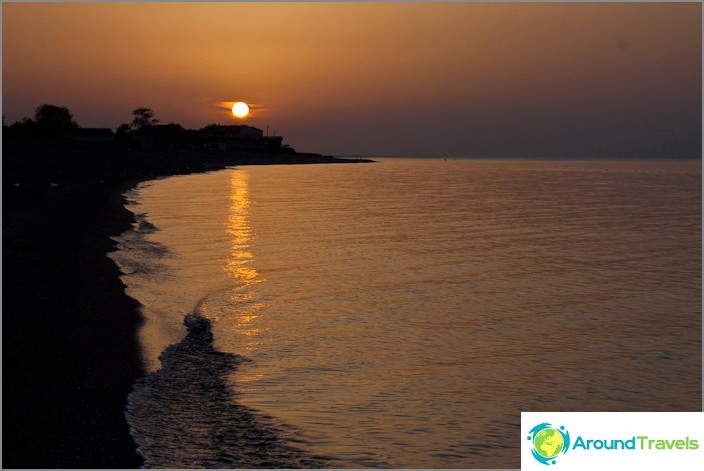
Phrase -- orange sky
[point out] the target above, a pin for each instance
(374, 78)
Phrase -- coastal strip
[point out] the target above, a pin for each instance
(70, 349)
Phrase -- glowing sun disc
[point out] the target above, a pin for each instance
(240, 109)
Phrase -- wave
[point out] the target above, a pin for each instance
(143, 225)
(135, 255)
(184, 415)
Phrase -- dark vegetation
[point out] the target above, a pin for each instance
(70, 349)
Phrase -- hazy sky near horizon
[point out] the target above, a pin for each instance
(454, 79)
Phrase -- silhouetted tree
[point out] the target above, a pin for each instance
(122, 134)
(25, 127)
(54, 120)
(122, 129)
(24, 122)
(143, 117)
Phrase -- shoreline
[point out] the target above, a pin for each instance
(71, 353)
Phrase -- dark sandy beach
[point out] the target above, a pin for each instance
(70, 350)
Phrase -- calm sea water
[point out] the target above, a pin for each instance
(404, 313)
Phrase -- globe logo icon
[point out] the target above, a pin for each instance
(548, 442)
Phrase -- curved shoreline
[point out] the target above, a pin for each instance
(70, 347)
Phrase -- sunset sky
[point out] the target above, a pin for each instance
(454, 79)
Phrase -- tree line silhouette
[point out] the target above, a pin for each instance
(54, 125)
(49, 120)
(57, 122)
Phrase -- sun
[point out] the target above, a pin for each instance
(240, 109)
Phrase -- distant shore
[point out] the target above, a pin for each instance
(70, 348)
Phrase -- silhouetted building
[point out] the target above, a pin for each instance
(232, 132)
(238, 137)
(274, 142)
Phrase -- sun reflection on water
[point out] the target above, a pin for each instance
(238, 266)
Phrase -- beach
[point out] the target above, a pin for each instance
(363, 306)
(70, 349)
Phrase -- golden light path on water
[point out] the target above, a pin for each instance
(239, 265)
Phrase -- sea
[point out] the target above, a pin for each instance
(402, 313)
